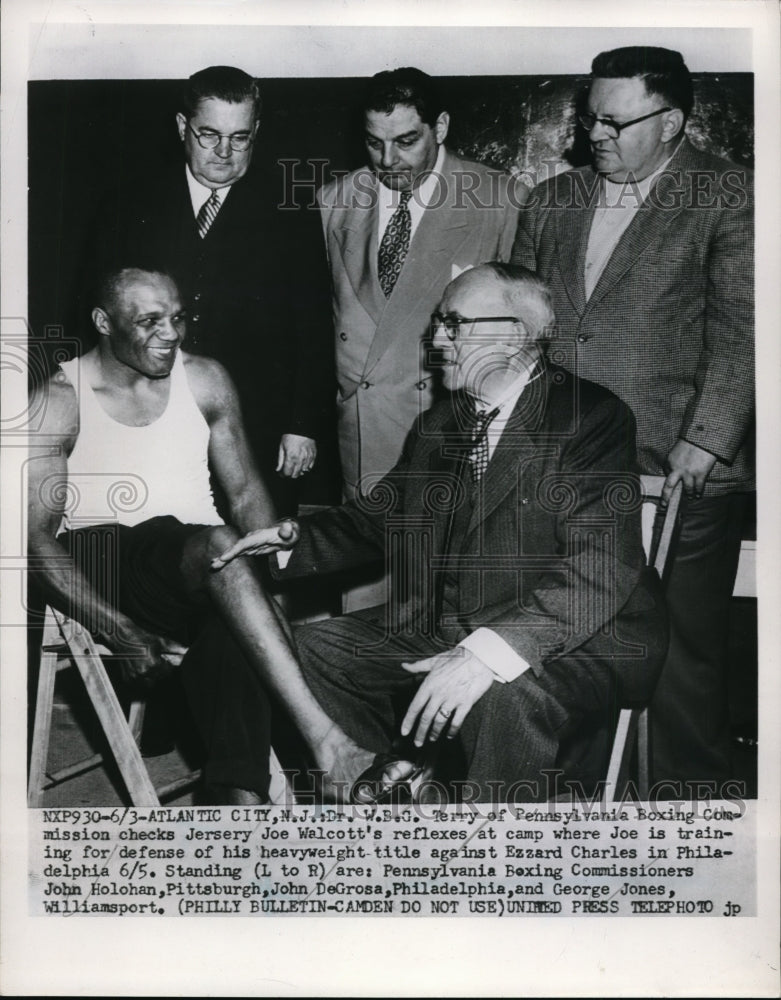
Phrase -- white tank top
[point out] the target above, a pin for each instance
(126, 475)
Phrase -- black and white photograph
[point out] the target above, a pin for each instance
(389, 511)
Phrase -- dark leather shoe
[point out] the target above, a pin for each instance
(374, 787)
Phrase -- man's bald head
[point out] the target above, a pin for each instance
(116, 279)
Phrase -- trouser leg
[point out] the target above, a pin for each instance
(512, 736)
(514, 732)
(353, 668)
(690, 724)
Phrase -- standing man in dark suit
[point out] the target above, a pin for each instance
(239, 260)
(512, 522)
(649, 256)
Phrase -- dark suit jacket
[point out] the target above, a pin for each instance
(256, 289)
(548, 553)
(670, 325)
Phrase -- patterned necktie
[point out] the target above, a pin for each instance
(208, 213)
(394, 245)
(478, 452)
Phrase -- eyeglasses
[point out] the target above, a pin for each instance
(452, 324)
(239, 141)
(614, 129)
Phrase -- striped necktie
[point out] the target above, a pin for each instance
(208, 213)
(394, 245)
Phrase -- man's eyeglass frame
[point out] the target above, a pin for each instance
(213, 139)
(588, 121)
(451, 326)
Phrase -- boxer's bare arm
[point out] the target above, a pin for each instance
(230, 457)
(62, 584)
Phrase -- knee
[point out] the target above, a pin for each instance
(214, 541)
(201, 548)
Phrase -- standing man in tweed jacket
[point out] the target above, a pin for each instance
(649, 256)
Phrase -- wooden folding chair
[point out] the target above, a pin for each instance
(631, 733)
(66, 644)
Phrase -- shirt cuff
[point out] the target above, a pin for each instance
(283, 557)
(498, 655)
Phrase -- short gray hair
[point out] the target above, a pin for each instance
(527, 296)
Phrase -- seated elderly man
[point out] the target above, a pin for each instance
(520, 599)
(122, 528)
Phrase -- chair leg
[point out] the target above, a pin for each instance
(41, 728)
(618, 753)
(135, 719)
(112, 718)
(643, 756)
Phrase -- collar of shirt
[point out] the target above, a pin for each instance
(388, 200)
(200, 194)
(506, 404)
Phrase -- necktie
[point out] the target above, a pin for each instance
(394, 245)
(208, 213)
(478, 452)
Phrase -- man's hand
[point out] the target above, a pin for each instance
(455, 681)
(261, 542)
(146, 657)
(297, 455)
(690, 463)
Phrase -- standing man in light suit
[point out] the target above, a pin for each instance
(397, 231)
(649, 257)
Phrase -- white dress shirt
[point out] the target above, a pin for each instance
(200, 194)
(388, 199)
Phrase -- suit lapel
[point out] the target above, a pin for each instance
(651, 220)
(176, 210)
(516, 445)
(573, 226)
(427, 270)
(357, 239)
(445, 473)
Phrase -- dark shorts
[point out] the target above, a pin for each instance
(138, 571)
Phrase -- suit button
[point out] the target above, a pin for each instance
(365, 385)
(582, 339)
(421, 385)
(197, 297)
(342, 335)
(195, 318)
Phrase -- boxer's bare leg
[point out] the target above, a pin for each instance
(260, 628)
